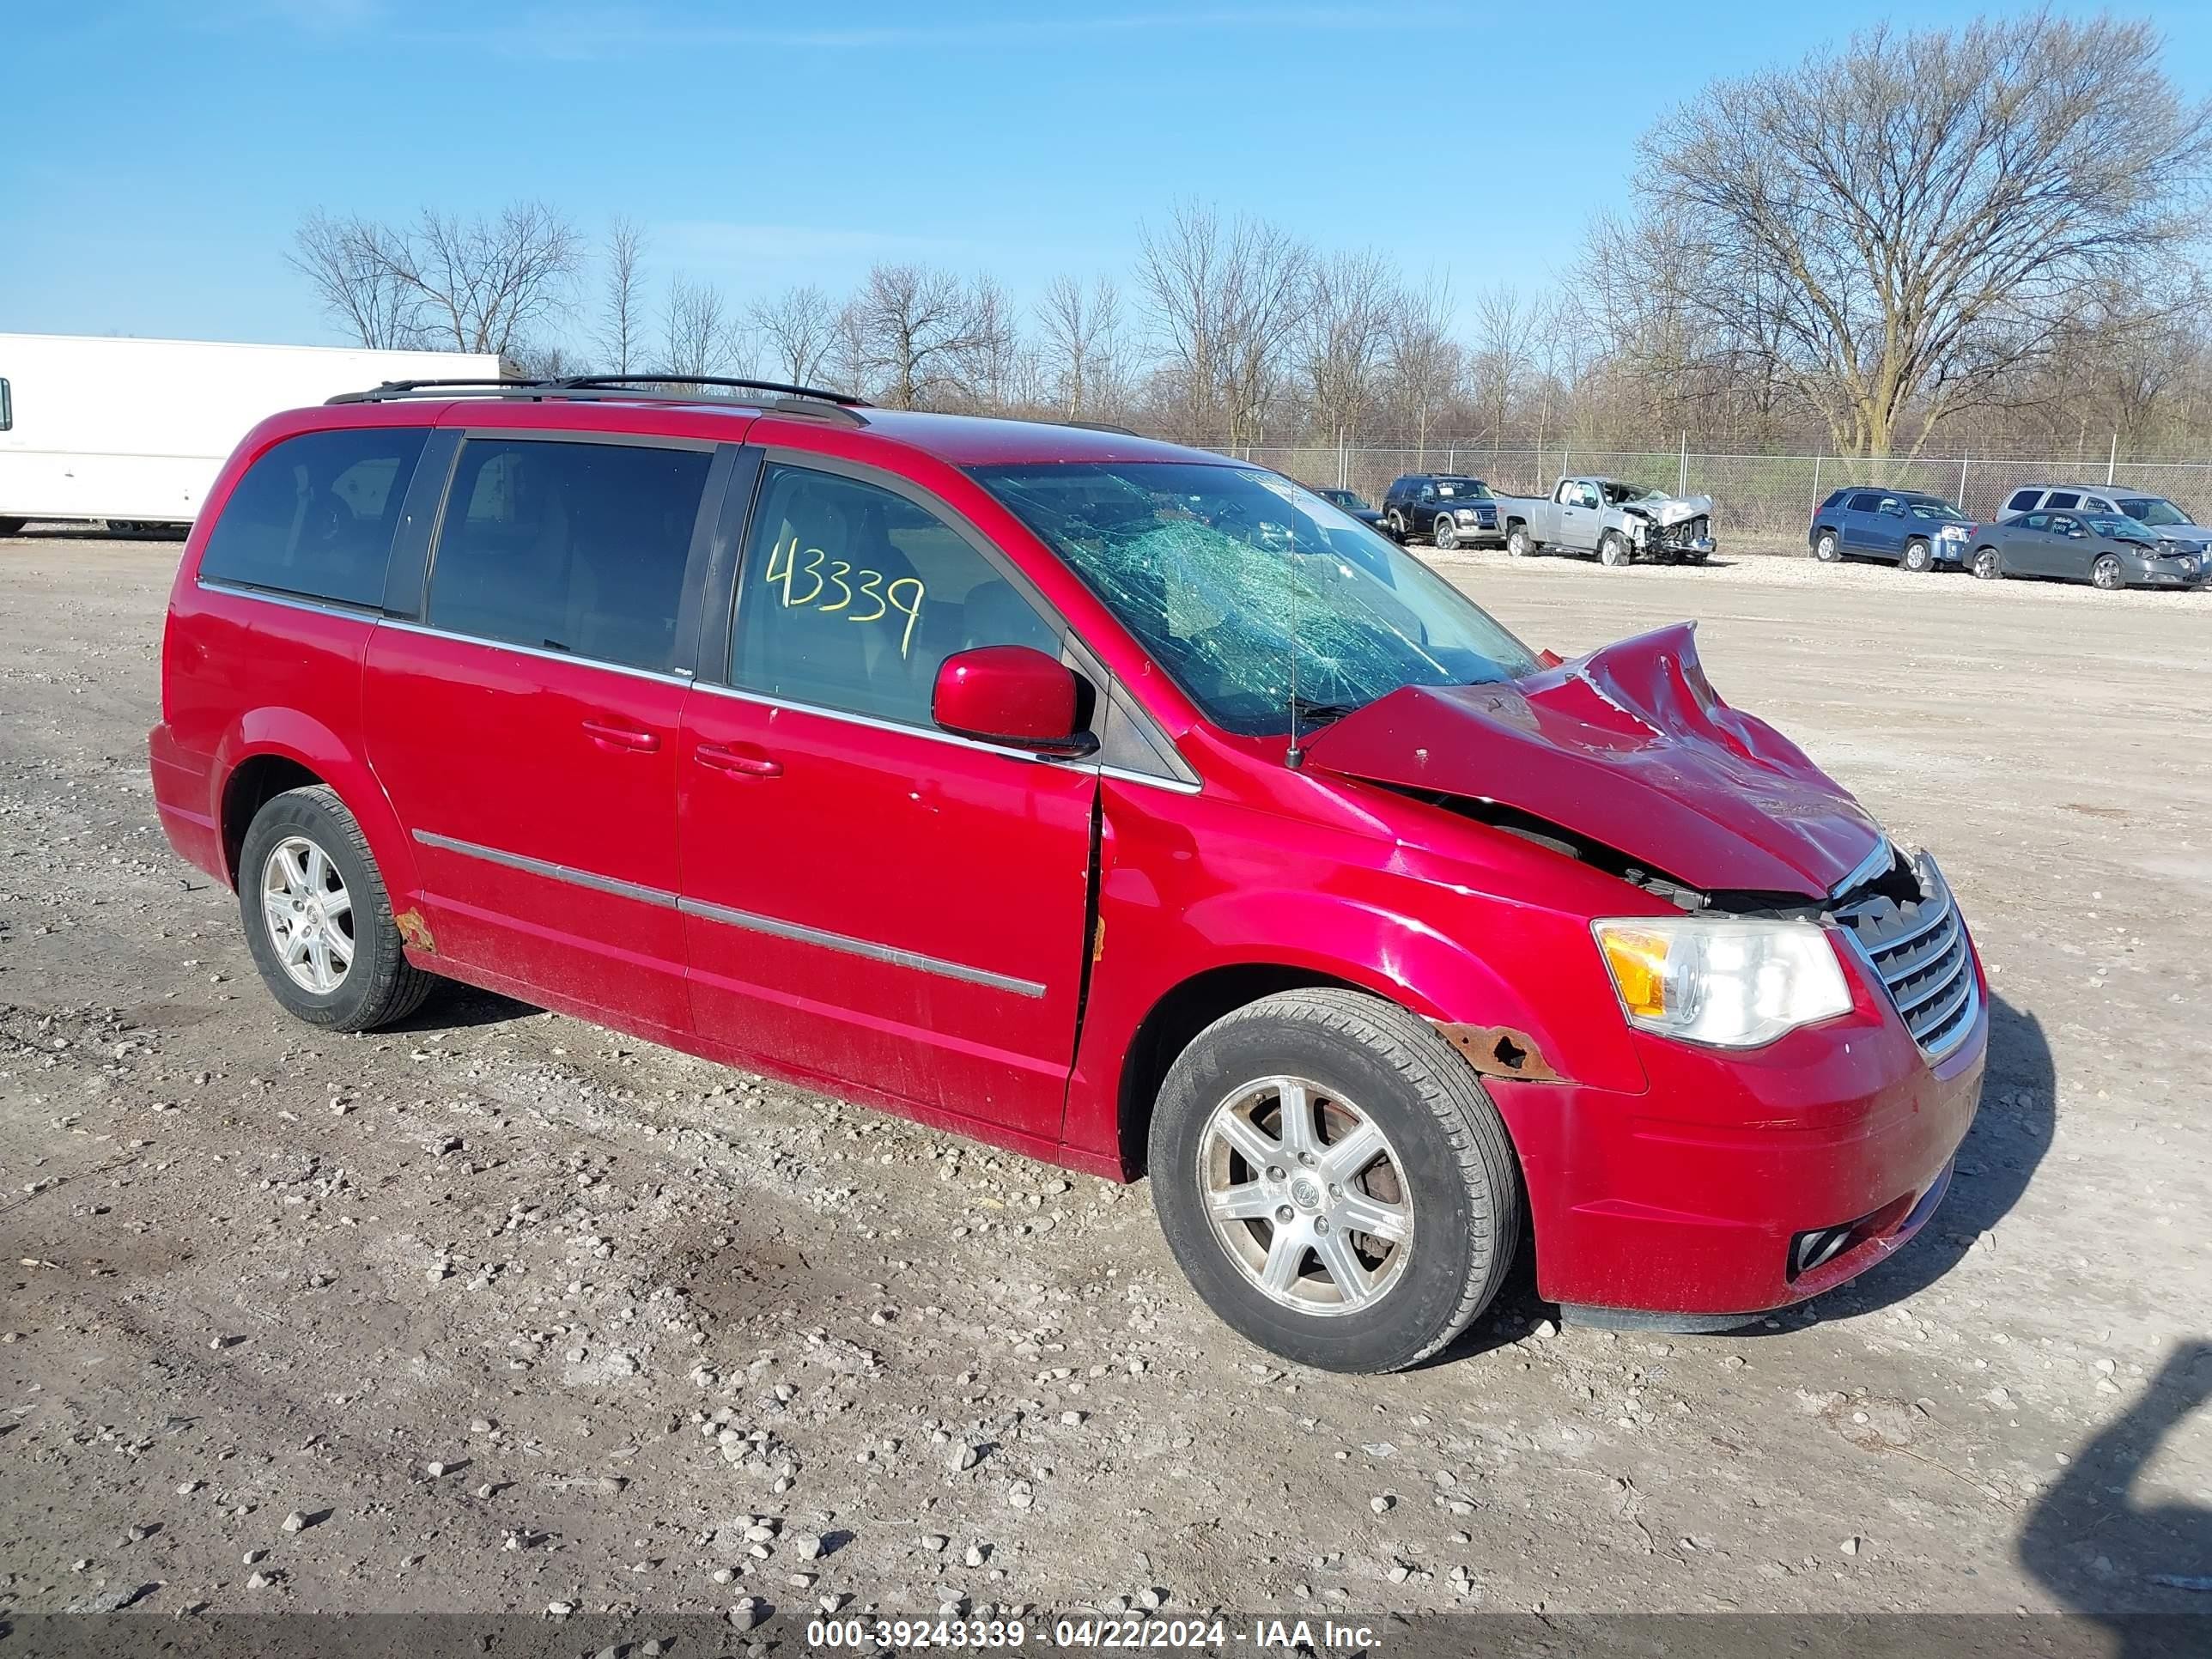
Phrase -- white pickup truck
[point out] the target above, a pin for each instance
(1618, 522)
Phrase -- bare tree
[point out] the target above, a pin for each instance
(696, 332)
(1082, 327)
(1226, 305)
(1504, 327)
(915, 333)
(1351, 300)
(799, 329)
(622, 320)
(1426, 365)
(485, 284)
(1912, 221)
(345, 260)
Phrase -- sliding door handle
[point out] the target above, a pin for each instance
(610, 735)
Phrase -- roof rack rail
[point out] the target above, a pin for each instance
(807, 401)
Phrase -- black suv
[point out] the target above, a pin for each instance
(1445, 507)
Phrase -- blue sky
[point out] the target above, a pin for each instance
(156, 156)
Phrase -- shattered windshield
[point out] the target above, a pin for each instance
(2153, 510)
(1218, 571)
(1618, 493)
(2119, 529)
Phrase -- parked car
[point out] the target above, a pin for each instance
(1919, 532)
(2104, 548)
(1445, 507)
(1618, 522)
(1109, 801)
(2153, 513)
(1351, 501)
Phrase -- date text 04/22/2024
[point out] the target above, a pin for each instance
(1201, 1635)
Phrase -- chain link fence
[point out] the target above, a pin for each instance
(1769, 497)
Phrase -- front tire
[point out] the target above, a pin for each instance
(2107, 575)
(1334, 1181)
(1445, 533)
(1917, 558)
(318, 919)
(1988, 566)
(1518, 543)
(1394, 524)
(1612, 548)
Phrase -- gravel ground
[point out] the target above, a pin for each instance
(501, 1311)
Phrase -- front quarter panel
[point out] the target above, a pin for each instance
(1193, 884)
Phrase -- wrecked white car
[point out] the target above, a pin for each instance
(1618, 522)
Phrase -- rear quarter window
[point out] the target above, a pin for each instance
(2023, 500)
(314, 515)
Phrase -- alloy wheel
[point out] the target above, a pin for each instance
(1446, 533)
(2105, 572)
(1985, 564)
(1307, 1196)
(309, 914)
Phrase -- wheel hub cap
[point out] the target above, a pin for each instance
(308, 915)
(1307, 1196)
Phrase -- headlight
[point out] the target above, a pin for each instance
(1951, 533)
(1466, 515)
(1721, 980)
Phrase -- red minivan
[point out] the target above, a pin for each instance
(1119, 803)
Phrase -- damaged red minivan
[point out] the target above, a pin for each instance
(1116, 803)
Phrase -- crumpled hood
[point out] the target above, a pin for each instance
(1630, 747)
(1672, 509)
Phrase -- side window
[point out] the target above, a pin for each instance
(574, 547)
(7, 408)
(2064, 498)
(1865, 501)
(2023, 500)
(1588, 495)
(2037, 521)
(2060, 525)
(850, 595)
(1428, 492)
(2091, 504)
(314, 515)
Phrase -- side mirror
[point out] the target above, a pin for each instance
(1013, 694)
(2078, 534)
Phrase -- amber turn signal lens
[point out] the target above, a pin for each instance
(1637, 961)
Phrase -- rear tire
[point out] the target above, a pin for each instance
(1395, 524)
(1988, 565)
(318, 919)
(1519, 542)
(1612, 548)
(1395, 1131)
(1917, 558)
(1444, 531)
(1827, 549)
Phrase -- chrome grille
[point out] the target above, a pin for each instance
(1917, 948)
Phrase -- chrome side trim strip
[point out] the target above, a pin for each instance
(859, 947)
(552, 871)
(745, 919)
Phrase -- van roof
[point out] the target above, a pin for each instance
(611, 405)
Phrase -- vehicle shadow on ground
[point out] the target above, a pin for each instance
(453, 1006)
(2124, 1563)
(2011, 1133)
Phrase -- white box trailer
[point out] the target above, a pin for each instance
(134, 431)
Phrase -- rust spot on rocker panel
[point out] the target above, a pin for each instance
(413, 930)
(1499, 1051)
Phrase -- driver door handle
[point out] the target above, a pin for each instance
(744, 759)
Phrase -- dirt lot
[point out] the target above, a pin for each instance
(501, 1312)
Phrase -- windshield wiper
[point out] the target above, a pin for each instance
(1307, 709)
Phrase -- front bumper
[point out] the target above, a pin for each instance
(1947, 551)
(1687, 1200)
